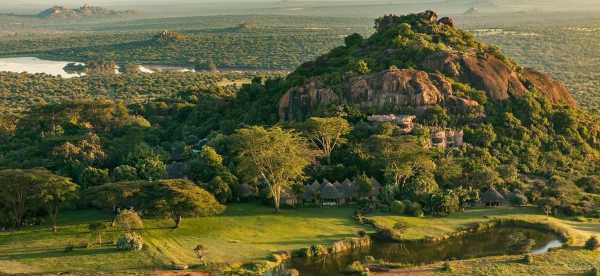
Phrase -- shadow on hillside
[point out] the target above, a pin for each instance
(53, 253)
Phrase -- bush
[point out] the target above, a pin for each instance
(518, 200)
(318, 250)
(448, 267)
(592, 243)
(593, 272)
(362, 233)
(292, 272)
(528, 259)
(131, 242)
(398, 207)
(354, 267)
(128, 220)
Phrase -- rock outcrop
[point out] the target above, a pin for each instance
(486, 73)
(397, 87)
(552, 89)
(436, 66)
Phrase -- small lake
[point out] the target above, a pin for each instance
(494, 242)
(35, 65)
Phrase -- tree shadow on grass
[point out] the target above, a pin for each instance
(54, 253)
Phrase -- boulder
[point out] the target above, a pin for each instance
(552, 89)
(300, 101)
(483, 72)
(448, 21)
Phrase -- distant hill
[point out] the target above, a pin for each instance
(86, 11)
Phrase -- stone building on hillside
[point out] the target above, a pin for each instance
(405, 122)
(447, 138)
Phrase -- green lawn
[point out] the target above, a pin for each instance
(419, 228)
(245, 232)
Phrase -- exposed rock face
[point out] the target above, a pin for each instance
(300, 101)
(405, 87)
(397, 87)
(447, 21)
(486, 73)
(552, 89)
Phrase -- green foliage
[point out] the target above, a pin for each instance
(24, 192)
(130, 241)
(398, 207)
(276, 156)
(128, 220)
(592, 243)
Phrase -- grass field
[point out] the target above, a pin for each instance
(245, 232)
(418, 228)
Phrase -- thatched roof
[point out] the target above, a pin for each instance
(315, 187)
(376, 187)
(347, 188)
(308, 195)
(246, 190)
(329, 191)
(492, 195)
(288, 194)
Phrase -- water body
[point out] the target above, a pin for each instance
(35, 65)
(494, 242)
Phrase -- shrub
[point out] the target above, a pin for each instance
(448, 267)
(398, 207)
(69, 248)
(292, 272)
(354, 267)
(518, 200)
(593, 272)
(528, 259)
(131, 242)
(128, 220)
(592, 243)
(318, 250)
(362, 233)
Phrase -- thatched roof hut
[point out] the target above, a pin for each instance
(246, 191)
(376, 187)
(308, 195)
(492, 198)
(347, 187)
(330, 192)
(288, 197)
(314, 187)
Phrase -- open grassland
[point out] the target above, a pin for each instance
(420, 228)
(570, 261)
(245, 232)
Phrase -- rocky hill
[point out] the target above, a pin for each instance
(413, 63)
(86, 11)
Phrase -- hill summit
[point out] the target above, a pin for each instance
(410, 64)
(85, 11)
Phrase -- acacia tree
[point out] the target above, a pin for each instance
(327, 133)
(18, 189)
(54, 191)
(275, 156)
(177, 198)
(23, 190)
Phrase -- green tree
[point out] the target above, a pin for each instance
(176, 199)
(275, 156)
(327, 133)
(53, 192)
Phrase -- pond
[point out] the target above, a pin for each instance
(35, 65)
(498, 241)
